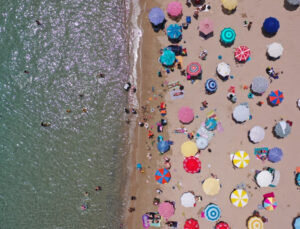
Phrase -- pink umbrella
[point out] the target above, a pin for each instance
(166, 209)
(186, 115)
(174, 9)
(206, 26)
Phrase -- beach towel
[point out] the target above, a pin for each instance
(177, 94)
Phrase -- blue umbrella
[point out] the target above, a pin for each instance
(211, 124)
(212, 212)
(163, 146)
(275, 154)
(211, 85)
(167, 58)
(156, 16)
(298, 179)
(271, 25)
(297, 223)
(174, 31)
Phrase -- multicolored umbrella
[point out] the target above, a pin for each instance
(167, 58)
(270, 203)
(271, 25)
(174, 31)
(264, 178)
(275, 154)
(212, 212)
(189, 148)
(163, 176)
(163, 146)
(211, 186)
(194, 69)
(211, 85)
(174, 9)
(211, 124)
(186, 115)
(192, 164)
(188, 200)
(255, 222)
(276, 97)
(241, 159)
(296, 223)
(206, 26)
(227, 36)
(191, 224)
(298, 179)
(156, 16)
(242, 53)
(222, 225)
(166, 209)
(239, 198)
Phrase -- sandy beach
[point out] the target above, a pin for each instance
(152, 90)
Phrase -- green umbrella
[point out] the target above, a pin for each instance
(227, 35)
(167, 58)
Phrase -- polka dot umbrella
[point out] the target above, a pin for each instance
(192, 164)
(242, 53)
(222, 225)
(191, 224)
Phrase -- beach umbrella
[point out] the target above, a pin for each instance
(227, 36)
(296, 223)
(298, 103)
(264, 178)
(167, 58)
(163, 146)
(206, 26)
(186, 115)
(229, 4)
(298, 179)
(271, 25)
(282, 129)
(275, 50)
(194, 69)
(163, 176)
(270, 203)
(211, 124)
(294, 2)
(211, 85)
(174, 9)
(241, 159)
(191, 224)
(212, 212)
(192, 164)
(275, 154)
(174, 31)
(223, 69)
(166, 209)
(156, 16)
(189, 148)
(276, 97)
(242, 53)
(259, 85)
(255, 222)
(222, 225)
(257, 134)
(211, 186)
(239, 198)
(201, 142)
(241, 113)
(188, 200)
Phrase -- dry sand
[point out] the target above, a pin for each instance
(234, 137)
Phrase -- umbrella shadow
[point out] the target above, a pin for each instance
(255, 93)
(159, 27)
(274, 133)
(206, 36)
(175, 41)
(196, 3)
(228, 12)
(248, 134)
(236, 120)
(289, 7)
(271, 58)
(268, 35)
(228, 45)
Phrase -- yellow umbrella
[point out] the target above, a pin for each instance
(211, 186)
(189, 148)
(255, 223)
(239, 198)
(229, 4)
(241, 159)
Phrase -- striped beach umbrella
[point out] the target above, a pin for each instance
(194, 69)
(211, 85)
(191, 224)
(163, 176)
(271, 25)
(227, 36)
(222, 225)
(298, 179)
(270, 203)
(241, 159)
(212, 212)
(189, 148)
(174, 31)
(276, 97)
(242, 53)
(192, 164)
(255, 222)
(239, 198)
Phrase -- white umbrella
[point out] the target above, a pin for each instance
(201, 143)
(188, 200)
(275, 50)
(257, 134)
(282, 129)
(294, 2)
(298, 103)
(264, 178)
(223, 69)
(241, 113)
(259, 84)
(276, 178)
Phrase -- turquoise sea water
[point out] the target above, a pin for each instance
(44, 171)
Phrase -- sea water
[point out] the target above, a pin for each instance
(45, 171)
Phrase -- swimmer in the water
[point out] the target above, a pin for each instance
(45, 124)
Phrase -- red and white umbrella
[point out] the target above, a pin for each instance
(222, 225)
(191, 224)
(242, 53)
(192, 164)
